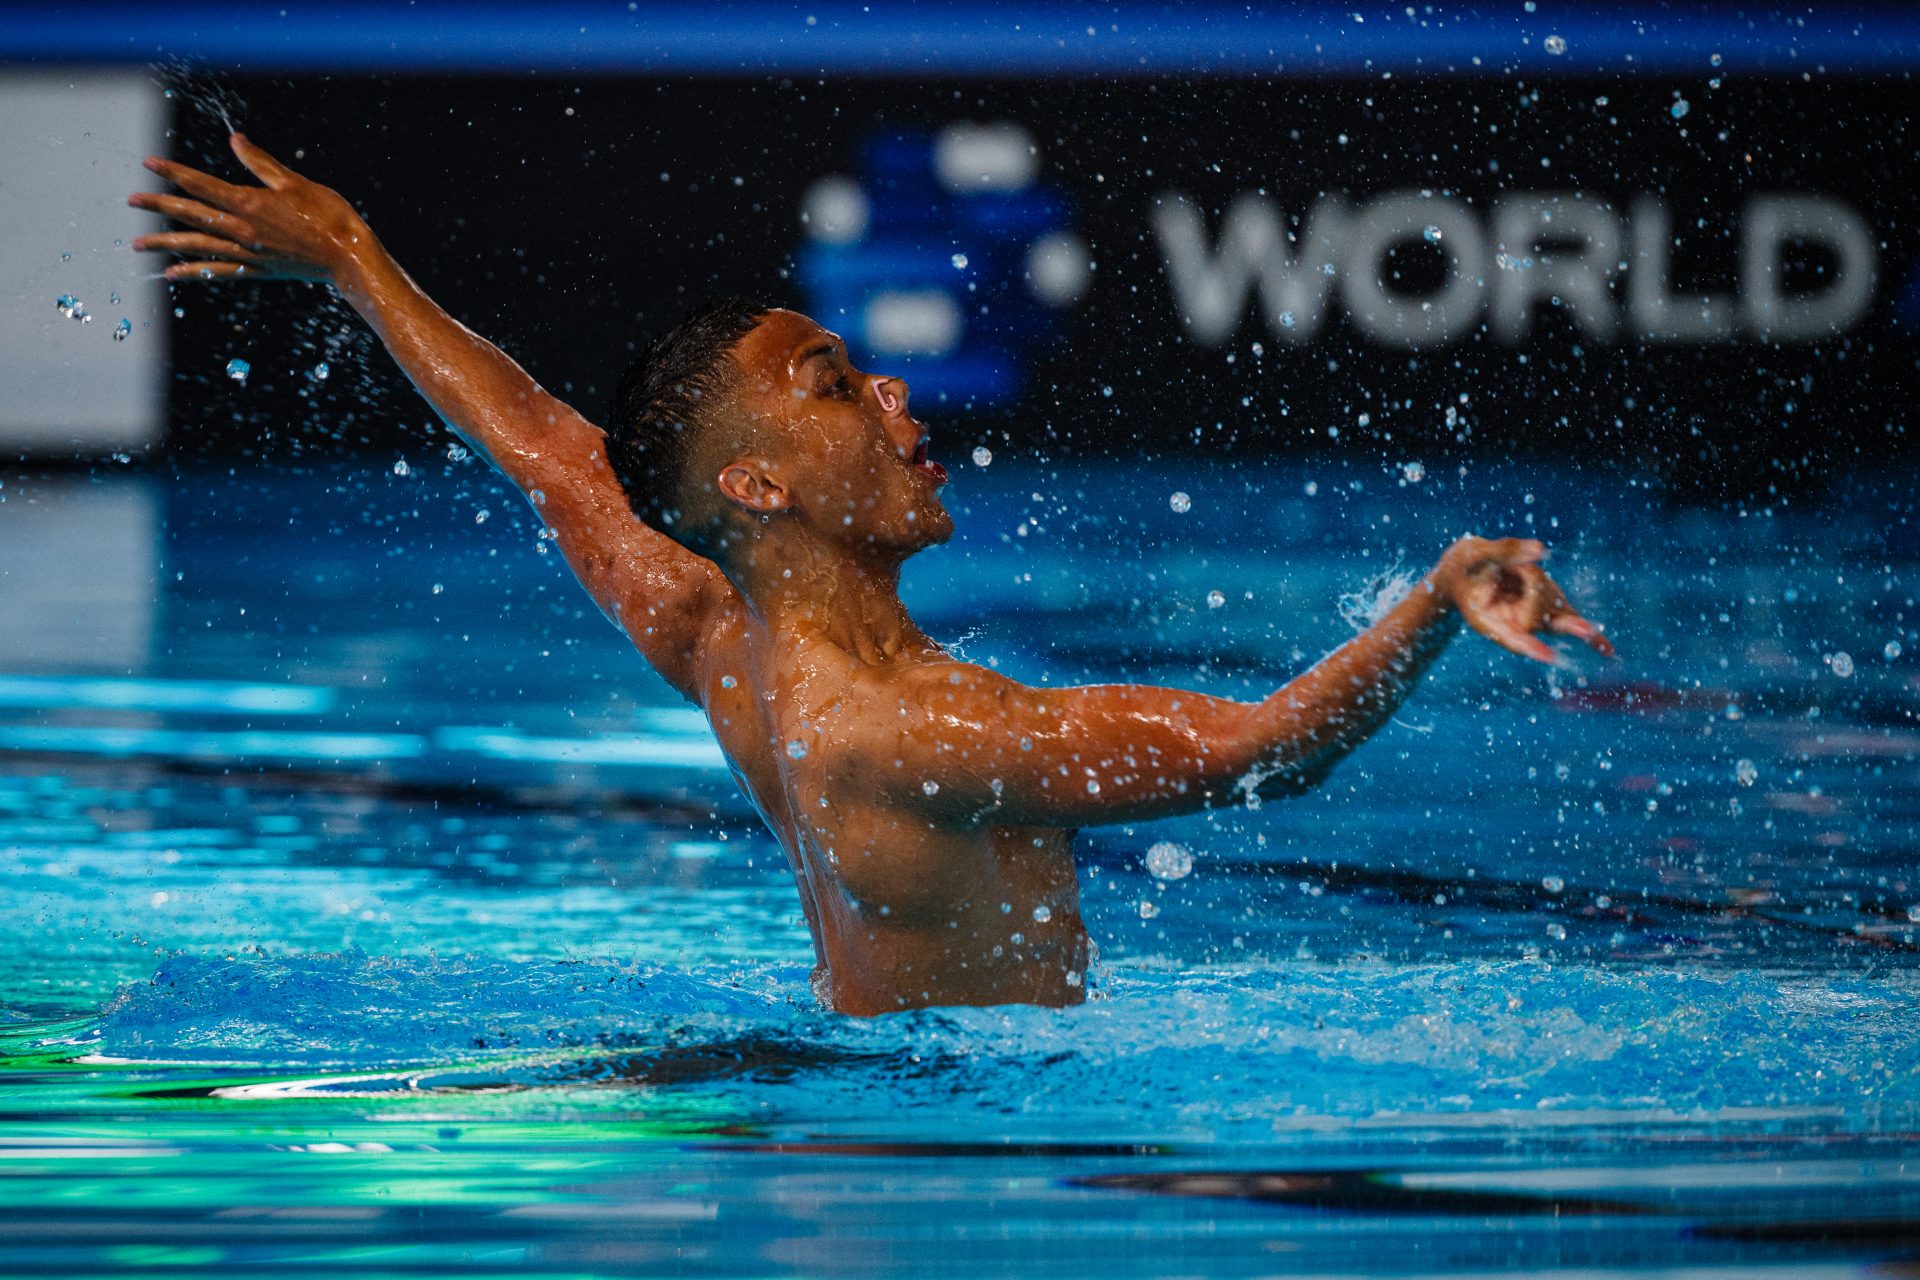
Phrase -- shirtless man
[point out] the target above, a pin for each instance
(744, 519)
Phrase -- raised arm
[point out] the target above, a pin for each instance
(291, 228)
(967, 746)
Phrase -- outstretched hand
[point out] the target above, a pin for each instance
(286, 229)
(1501, 592)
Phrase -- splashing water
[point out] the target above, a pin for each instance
(1362, 608)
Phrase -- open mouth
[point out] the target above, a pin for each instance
(920, 462)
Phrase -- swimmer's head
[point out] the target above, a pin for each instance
(746, 421)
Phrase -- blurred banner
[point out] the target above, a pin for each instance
(82, 337)
(1680, 241)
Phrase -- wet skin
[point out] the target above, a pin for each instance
(926, 805)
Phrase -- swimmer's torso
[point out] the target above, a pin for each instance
(903, 912)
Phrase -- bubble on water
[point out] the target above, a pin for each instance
(796, 749)
(1169, 861)
(1431, 235)
(959, 262)
(321, 372)
(1148, 910)
(1893, 650)
(727, 682)
(1552, 884)
(1555, 45)
(1413, 472)
(71, 308)
(1679, 109)
(982, 455)
(1215, 599)
(1745, 772)
(1180, 502)
(122, 330)
(238, 369)
(1842, 664)
(931, 787)
(1042, 913)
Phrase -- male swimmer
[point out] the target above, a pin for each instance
(744, 518)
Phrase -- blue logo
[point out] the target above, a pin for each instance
(945, 258)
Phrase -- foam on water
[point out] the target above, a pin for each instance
(1214, 1051)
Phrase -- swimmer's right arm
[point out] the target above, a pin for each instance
(292, 228)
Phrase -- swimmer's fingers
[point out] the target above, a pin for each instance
(1572, 624)
(195, 183)
(194, 213)
(214, 271)
(194, 242)
(1511, 638)
(260, 164)
(1562, 619)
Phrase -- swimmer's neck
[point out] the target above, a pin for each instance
(795, 585)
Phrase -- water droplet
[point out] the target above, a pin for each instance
(113, 298)
(1679, 109)
(1555, 45)
(1180, 503)
(1913, 914)
(1893, 650)
(959, 262)
(1215, 599)
(1552, 884)
(121, 330)
(238, 369)
(1148, 910)
(321, 372)
(1842, 664)
(1286, 320)
(480, 516)
(456, 453)
(1169, 861)
(1431, 235)
(728, 682)
(982, 455)
(1414, 472)
(179, 313)
(400, 467)
(71, 308)
(931, 787)
(796, 749)
(438, 587)
(1745, 772)
(1715, 59)
(1042, 913)
(1557, 931)
(66, 256)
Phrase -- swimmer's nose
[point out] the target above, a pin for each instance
(891, 393)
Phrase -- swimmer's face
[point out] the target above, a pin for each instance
(848, 457)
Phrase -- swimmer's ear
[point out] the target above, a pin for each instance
(753, 485)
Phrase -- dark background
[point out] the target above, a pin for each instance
(533, 208)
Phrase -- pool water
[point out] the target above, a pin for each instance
(372, 910)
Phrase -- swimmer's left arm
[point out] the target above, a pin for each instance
(970, 747)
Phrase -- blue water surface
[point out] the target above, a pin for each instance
(374, 910)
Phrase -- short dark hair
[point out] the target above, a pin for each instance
(667, 398)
